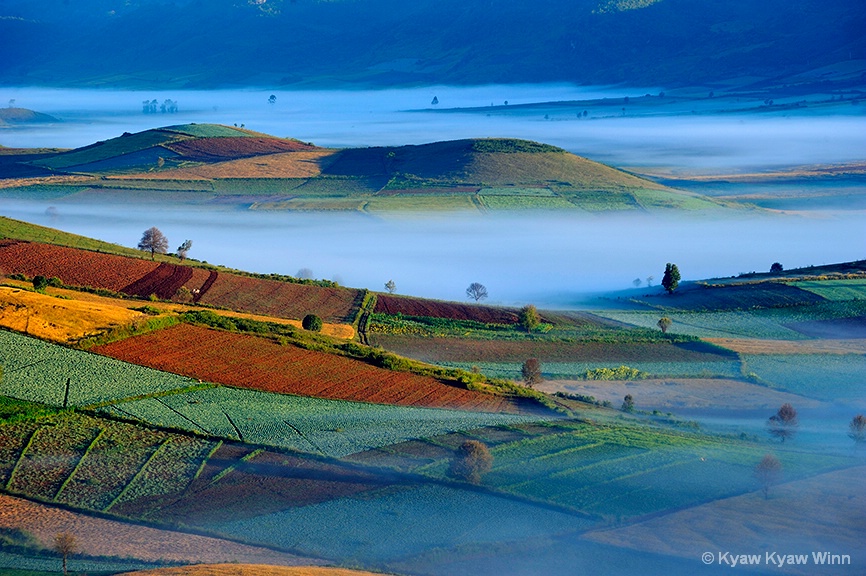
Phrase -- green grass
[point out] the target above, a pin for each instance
(533, 202)
(830, 377)
(121, 145)
(585, 370)
(836, 290)
(210, 131)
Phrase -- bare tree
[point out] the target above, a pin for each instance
(471, 461)
(767, 472)
(390, 286)
(857, 429)
(531, 372)
(664, 323)
(783, 424)
(183, 249)
(65, 544)
(476, 291)
(153, 241)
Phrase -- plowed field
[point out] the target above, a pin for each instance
(304, 164)
(252, 362)
(72, 266)
(420, 307)
(282, 299)
(217, 149)
(164, 281)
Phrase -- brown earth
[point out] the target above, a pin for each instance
(249, 570)
(102, 537)
(757, 346)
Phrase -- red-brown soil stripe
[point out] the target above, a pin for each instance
(164, 282)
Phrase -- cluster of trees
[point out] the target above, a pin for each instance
(155, 242)
(151, 106)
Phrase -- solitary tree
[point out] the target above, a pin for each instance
(40, 283)
(857, 429)
(529, 317)
(153, 241)
(664, 323)
(183, 249)
(312, 323)
(627, 404)
(531, 372)
(649, 280)
(476, 291)
(471, 461)
(272, 99)
(390, 286)
(767, 472)
(637, 282)
(783, 424)
(65, 544)
(776, 268)
(671, 279)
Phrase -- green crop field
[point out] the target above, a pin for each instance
(111, 148)
(533, 202)
(329, 427)
(210, 131)
(832, 377)
(393, 524)
(837, 290)
(38, 371)
(578, 370)
(253, 186)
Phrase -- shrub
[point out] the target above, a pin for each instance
(312, 323)
(471, 461)
(40, 282)
(55, 282)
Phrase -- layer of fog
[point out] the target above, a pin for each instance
(546, 258)
(678, 140)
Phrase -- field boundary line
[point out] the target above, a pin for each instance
(78, 464)
(8, 485)
(233, 467)
(191, 421)
(137, 475)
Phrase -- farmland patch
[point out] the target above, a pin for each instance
(838, 290)
(828, 377)
(329, 427)
(387, 304)
(260, 364)
(578, 370)
(38, 371)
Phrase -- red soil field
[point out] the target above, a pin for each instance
(251, 362)
(219, 149)
(386, 304)
(72, 266)
(282, 299)
(164, 281)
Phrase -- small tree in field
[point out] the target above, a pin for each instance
(153, 241)
(671, 279)
(776, 268)
(476, 291)
(627, 404)
(767, 472)
(637, 282)
(857, 429)
(312, 323)
(471, 461)
(65, 544)
(390, 286)
(783, 424)
(184, 249)
(40, 283)
(529, 317)
(664, 323)
(531, 372)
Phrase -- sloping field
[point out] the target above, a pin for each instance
(231, 148)
(282, 299)
(847, 328)
(465, 350)
(59, 320)
(249, 570)
(74, 267)
(252, 362)
(822, 514)
(131, 540)
(126, 144)
(213, 131)
(164, 282)
(287, 165)
(760, 346)
(734, 297)
(387, 304)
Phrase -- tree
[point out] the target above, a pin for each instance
(664, 323)
(183, 249)
(767, 472)
(312, 323)
(471, 461)
(671, 279)
(40, 283)
(776, 268)
(627, 404)
(531, 372)
(637, 282)
(649, 281)
(305, 274)
(783, 424)
(390, 286)
(435, 101)
(476, 291)
(65, 544)
(857, 429)
(153, 241)
(529, 317)
(272, 99)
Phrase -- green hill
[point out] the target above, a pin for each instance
(272, 173)
(23, 116)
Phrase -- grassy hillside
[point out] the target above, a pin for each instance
(266, 173)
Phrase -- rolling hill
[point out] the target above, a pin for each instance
(270, 173)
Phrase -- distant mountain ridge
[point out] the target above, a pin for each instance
(186, 43)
